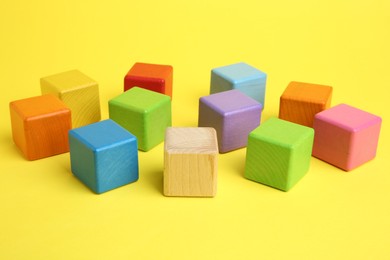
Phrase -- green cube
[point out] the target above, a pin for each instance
(144, 113)
(279, 153)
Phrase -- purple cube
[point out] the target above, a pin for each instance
(233, 115)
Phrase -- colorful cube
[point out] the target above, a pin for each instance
(232, 114)
(103, 155)
(345, 136)
(79, 92)
(242, 77)
(301, 101)
(279, 153)
(40, 126)
(153, 77)
(144, 113)
(190, 162)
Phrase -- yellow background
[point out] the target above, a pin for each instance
(46, 213)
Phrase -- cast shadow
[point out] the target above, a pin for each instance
(10, 150)
(235, 161)
(155, 178)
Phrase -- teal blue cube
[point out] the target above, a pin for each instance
(103, 155)
(279, 153)
(242, 77)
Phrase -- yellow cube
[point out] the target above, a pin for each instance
(79, 92)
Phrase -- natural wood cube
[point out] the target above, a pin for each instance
(79, 92)
(190, 162)
(153, 77)
(345, 136)
(301, 101)
(40, 126)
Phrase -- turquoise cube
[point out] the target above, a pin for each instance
(279, 153)
(103, 155)
(144, 113)
(242, 77)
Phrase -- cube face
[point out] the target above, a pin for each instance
(300, 102)
(232, 114)
(40, 126)
(82, 161)
(190, 162)
(260, 166)
(345, 136)
(144, 113)
(79, 92)
(242, 77)
(103, 156)
(278, 153)
(154, 77)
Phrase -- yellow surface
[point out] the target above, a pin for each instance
(46, 213)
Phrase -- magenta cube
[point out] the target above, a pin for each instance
(346, 136)
(232, 114)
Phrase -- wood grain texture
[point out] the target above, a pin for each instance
(301, 101)
(144, 113)
(190, 162)
(232, 114)
(345, 136)
(103, 155)
(155, 77)
(40, 126)
(79, 92)
(279, 153)
(240, 76)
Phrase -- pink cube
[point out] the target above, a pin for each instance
(346, 136)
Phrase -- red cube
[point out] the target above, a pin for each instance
(153, 77)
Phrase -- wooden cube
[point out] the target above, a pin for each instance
(153, 77)
(345, 136)
(301, 101)
(232, 114)
(40, 126)
(279, 153)
(103, 155)
(242, 77)
(190, 162)
(79, 92)
(144, 113)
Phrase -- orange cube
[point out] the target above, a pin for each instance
(300, 102)
(40, 126)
